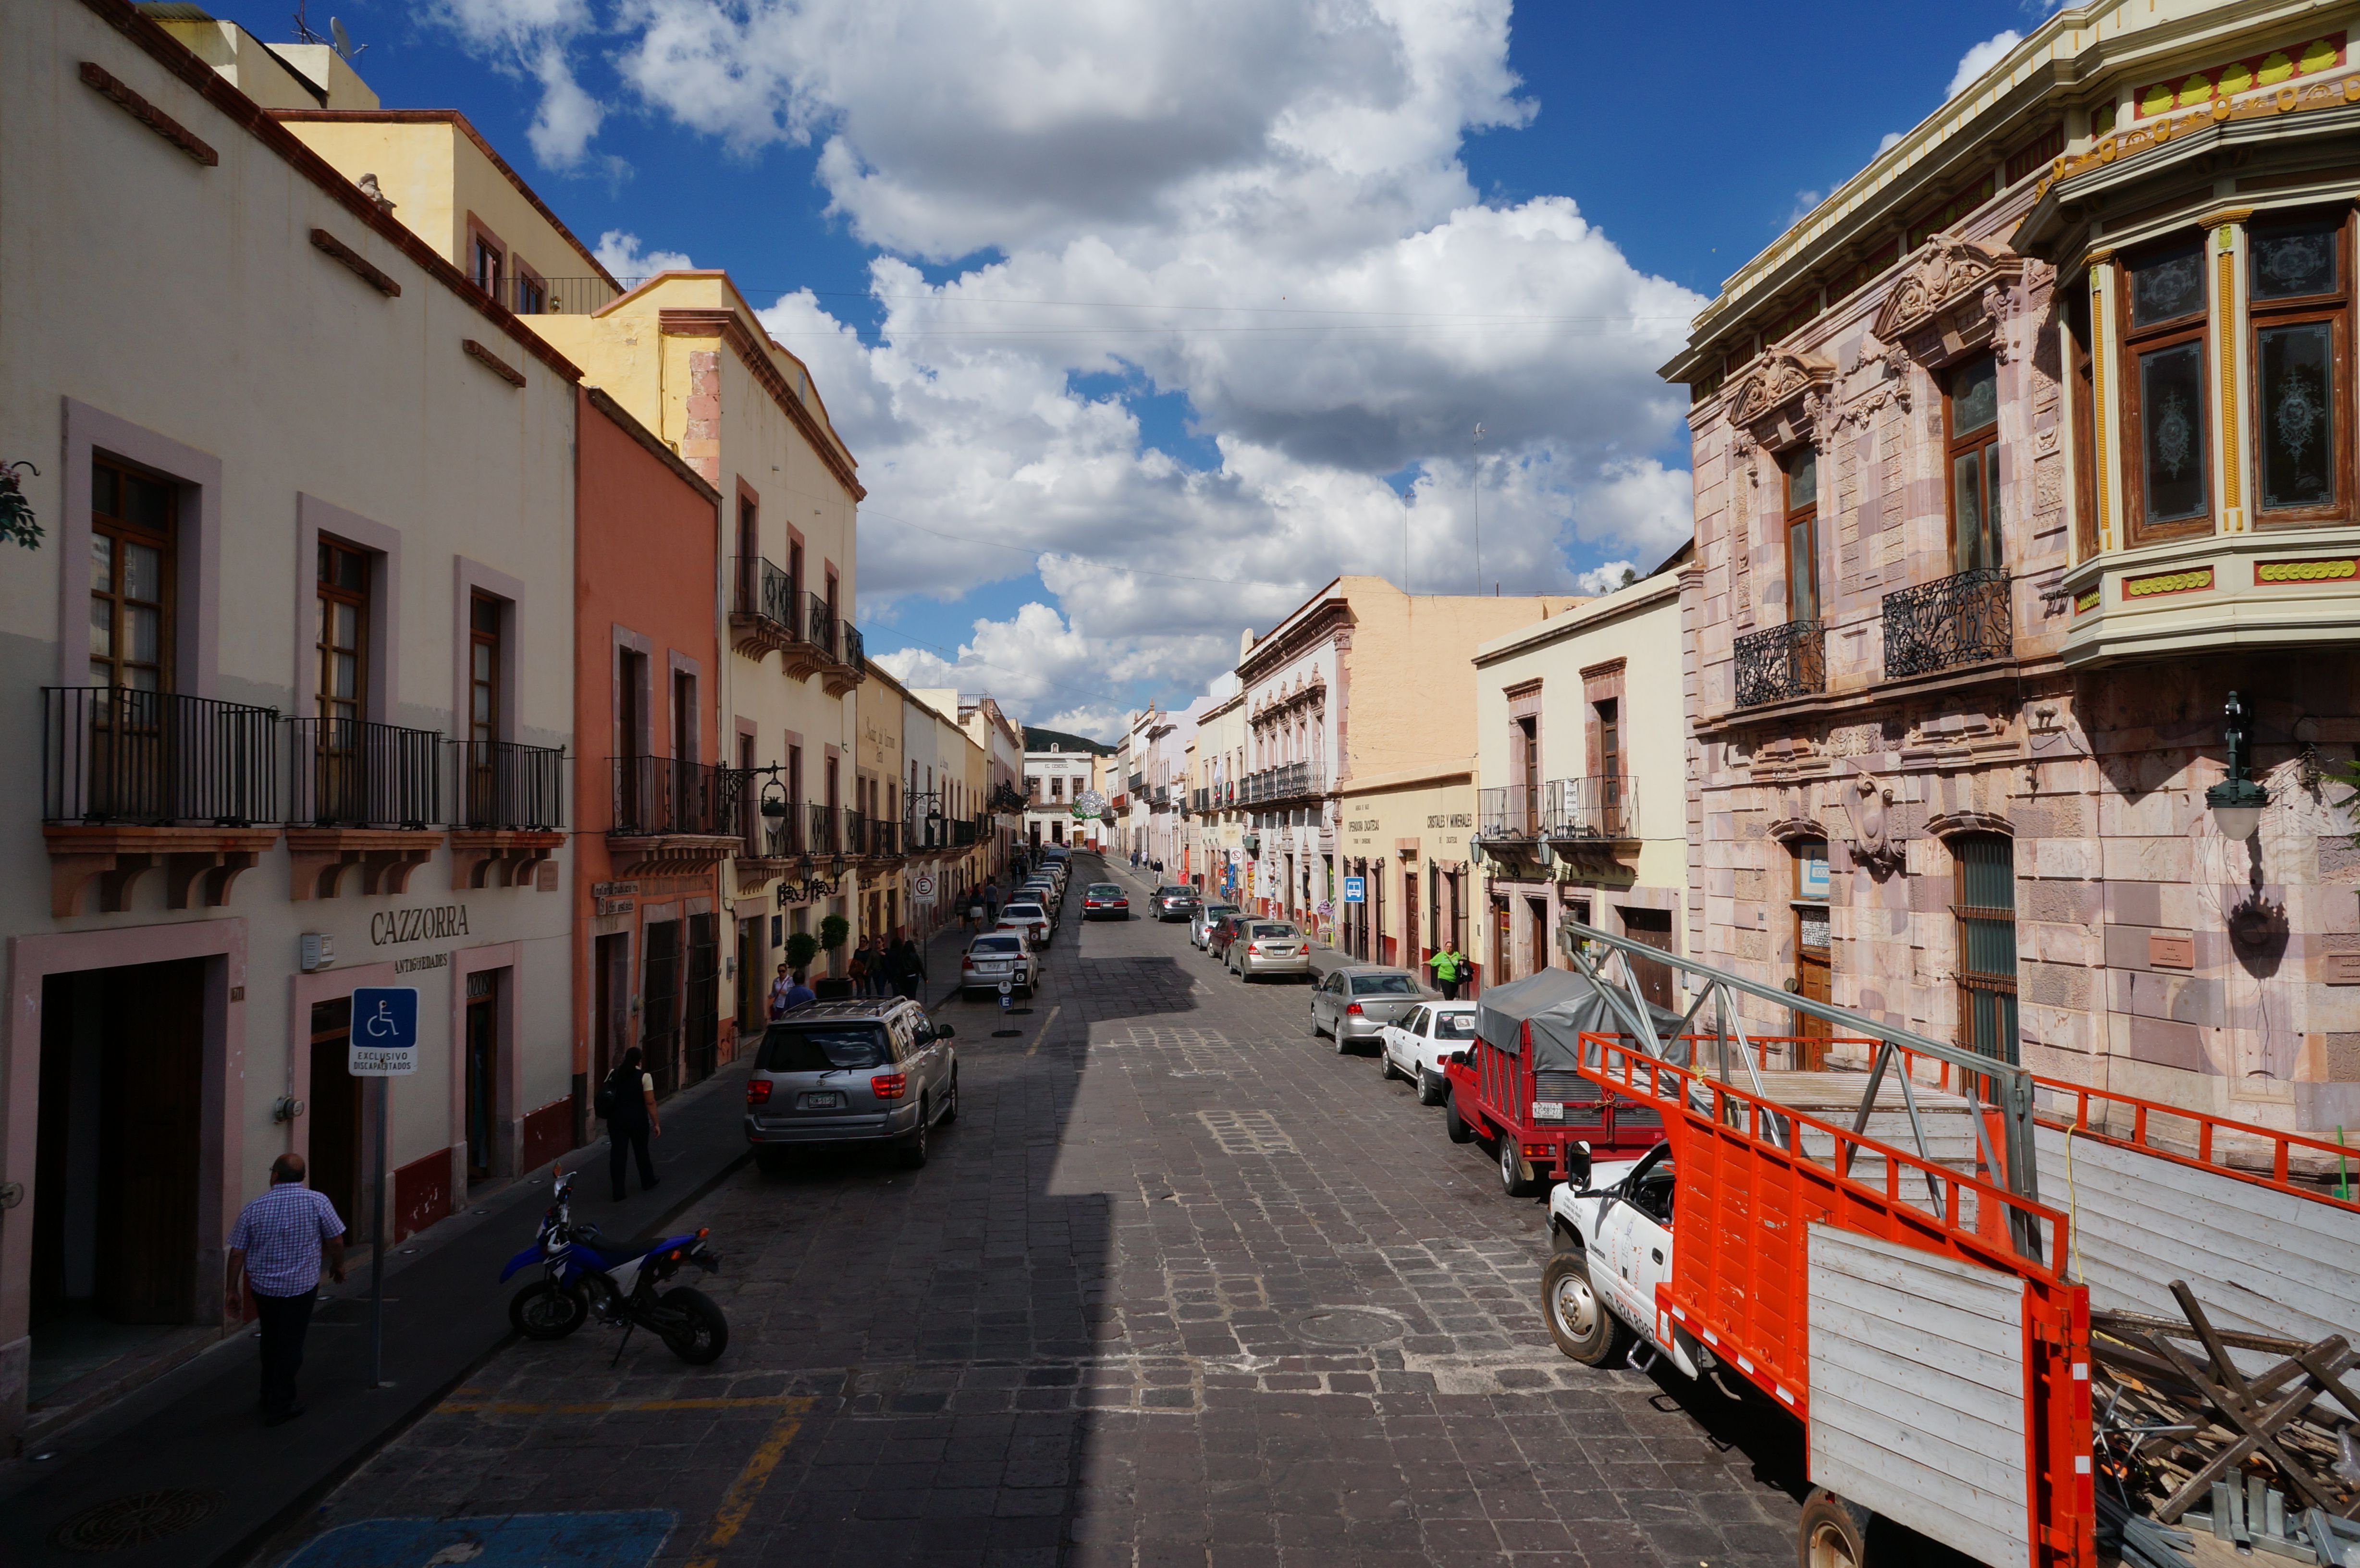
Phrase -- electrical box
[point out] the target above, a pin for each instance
(319, 951)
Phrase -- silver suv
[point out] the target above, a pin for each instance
(869, 1072)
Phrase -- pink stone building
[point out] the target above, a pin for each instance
(2013, 461)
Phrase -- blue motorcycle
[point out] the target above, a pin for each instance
(589, 1277)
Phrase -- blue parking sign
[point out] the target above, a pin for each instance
(385, 1031)
(1356, 889)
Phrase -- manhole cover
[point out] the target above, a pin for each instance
(136, 1521)
(1357, 1327)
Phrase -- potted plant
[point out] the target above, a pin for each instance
(802, 948)
(832, 931)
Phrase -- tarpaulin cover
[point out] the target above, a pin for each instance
(1560, 1005)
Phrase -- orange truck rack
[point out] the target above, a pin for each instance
(1914, 1275)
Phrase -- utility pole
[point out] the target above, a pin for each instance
(1405, 501)
(1477, 487)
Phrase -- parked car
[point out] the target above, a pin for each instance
(1269, 947)
(1175, 903)
(1045, 888)
(869, 1072)
(1224, 932)
(1029, 917)
(1105, 902)
(1419, 1047)
(995, 956)
(1355, 1003)
(1200, 925)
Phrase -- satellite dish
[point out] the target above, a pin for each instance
(345, 49)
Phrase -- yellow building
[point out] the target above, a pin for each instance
(1579, 781)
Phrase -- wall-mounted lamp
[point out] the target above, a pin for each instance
(2236, 801)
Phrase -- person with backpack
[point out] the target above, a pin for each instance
(628, 1102)
(1448, 965)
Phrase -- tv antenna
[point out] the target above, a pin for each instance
(303, 33)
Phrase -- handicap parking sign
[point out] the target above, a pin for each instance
(385, 1032)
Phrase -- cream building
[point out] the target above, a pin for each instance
(307, 500)
(1579, 801)
(1216, 819)
(2014, 459)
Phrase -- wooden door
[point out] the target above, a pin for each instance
(154, 1079)
(610, 1004)
(482, 1067)
(1504, 940)
(1536, 911)
(659, 1006)
(753, 978)
(334, 1110)
(703, 998)
(1812, 950)
(1652, 927)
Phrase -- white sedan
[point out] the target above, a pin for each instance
(1416, 1046)
(1029, 918)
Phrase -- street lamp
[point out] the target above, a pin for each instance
(2236, 801)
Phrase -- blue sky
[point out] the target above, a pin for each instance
(1191, 294)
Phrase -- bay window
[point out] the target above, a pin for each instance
(2167, 471)
(2297, 296)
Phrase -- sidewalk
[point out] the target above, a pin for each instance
(195, 1430)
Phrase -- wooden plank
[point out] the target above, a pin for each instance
(1988, 1533)
(1858, 1373)
(1876, 1317)
(1983, 1461)
(1928, 1276)
(2240, 1235)
(2333, 1225)
(1989, 1387)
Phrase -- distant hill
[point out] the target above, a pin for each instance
(1058, 740)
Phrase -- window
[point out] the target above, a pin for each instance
(1056, 789)
(1971, 412)
(484, 620)
(341, 628)
(1802, 536)
(2298, 297)
(2167, 431)
(486, 265)
(2085, 425)
(133, 519)
(1986, 904)
(531, 293)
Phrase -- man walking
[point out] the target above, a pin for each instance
(990, 905)
(632, 1120)
(1448, 966)
(274, 1256)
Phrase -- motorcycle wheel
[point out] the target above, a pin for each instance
(542, 1310)
(700, 1339)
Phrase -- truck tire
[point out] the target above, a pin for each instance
(1832, 1533)
(1455, 1125)
(1578, 1320)
(1516, 1176)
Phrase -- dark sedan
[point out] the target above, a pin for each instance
(1175, 903)
(1105, 901)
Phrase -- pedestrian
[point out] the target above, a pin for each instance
(881, 965)
(632, 1120)
(274, 1258)
(1447, 966)
(991, 903)
(857, 968)
(975, 912)
(780, 987)
(909, 968)
(800, 993)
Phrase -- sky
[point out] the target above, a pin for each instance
(1146, 318)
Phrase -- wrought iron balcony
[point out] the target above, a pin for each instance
(854, 648)
(1605, 807)
(780, 827)
(554, 296)
(762, 617)
(1295, 782)
(827, 835)
(661, 796)
(350, 773)
(110, 754)
(819, 624)
(1778, 662)
(504, 786)
(1510, 813)
(1962, 619)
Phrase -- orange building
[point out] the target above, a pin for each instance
(656, 809)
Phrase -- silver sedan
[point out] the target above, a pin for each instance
(1269, 947)
(1355, 1003)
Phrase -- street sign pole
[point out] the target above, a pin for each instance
(383, 1045)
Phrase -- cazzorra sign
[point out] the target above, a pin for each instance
(429, 922)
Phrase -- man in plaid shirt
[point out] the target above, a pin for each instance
(274, 1253)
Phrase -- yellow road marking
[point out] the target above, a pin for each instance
(746, 1490)
(1040, 1033)
(796, 1406)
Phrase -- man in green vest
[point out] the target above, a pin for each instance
(1449, 967)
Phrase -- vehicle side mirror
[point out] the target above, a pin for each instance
(945, 1032)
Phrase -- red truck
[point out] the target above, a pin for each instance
(1905, 1255)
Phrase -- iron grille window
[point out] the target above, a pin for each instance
(1986, 965)
(1778, 662)
(1962, 619)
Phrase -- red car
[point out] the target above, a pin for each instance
(1106, 901)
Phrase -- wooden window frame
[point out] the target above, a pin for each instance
(2336, 309)
(1961, 913)
(2082, 373)
(2138, 344)
(1807, 518)
(328, 592)
(122, 530)
(495, 638)
(1985, 439)
(525, 279)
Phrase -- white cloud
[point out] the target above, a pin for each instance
(620, 254)
(1251, 211)
(531, 37)
(1888, 139)
(1606, 578)
(1980, 58)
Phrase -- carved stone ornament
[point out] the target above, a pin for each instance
(1940, 298)
(1883, 378)
(1872, 846)
(1771, 398)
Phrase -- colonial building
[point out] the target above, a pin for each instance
(1581, 742)
(290, 668)
(1001, 785)
(1342, 689)
(1058, 771)
(2014, 461)
(1217, 808)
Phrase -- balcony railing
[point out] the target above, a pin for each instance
(1139, 783)
(777, 837)
(110, 754)
(1962, 619)
(351, 773)
(1508, 814)
(853, 648)
(1778, 662)
(662, 795)
(1293, 781)
(1604, 807)
(502, 784)
(820, 624)
(554, 296)
(764, 590)
(826, 829)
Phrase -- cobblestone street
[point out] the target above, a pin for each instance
(1182, 1285)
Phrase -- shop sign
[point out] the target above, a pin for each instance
(428, 922)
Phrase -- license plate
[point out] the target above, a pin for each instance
(1548, 1110)
(991, 969)
(824, 1100)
